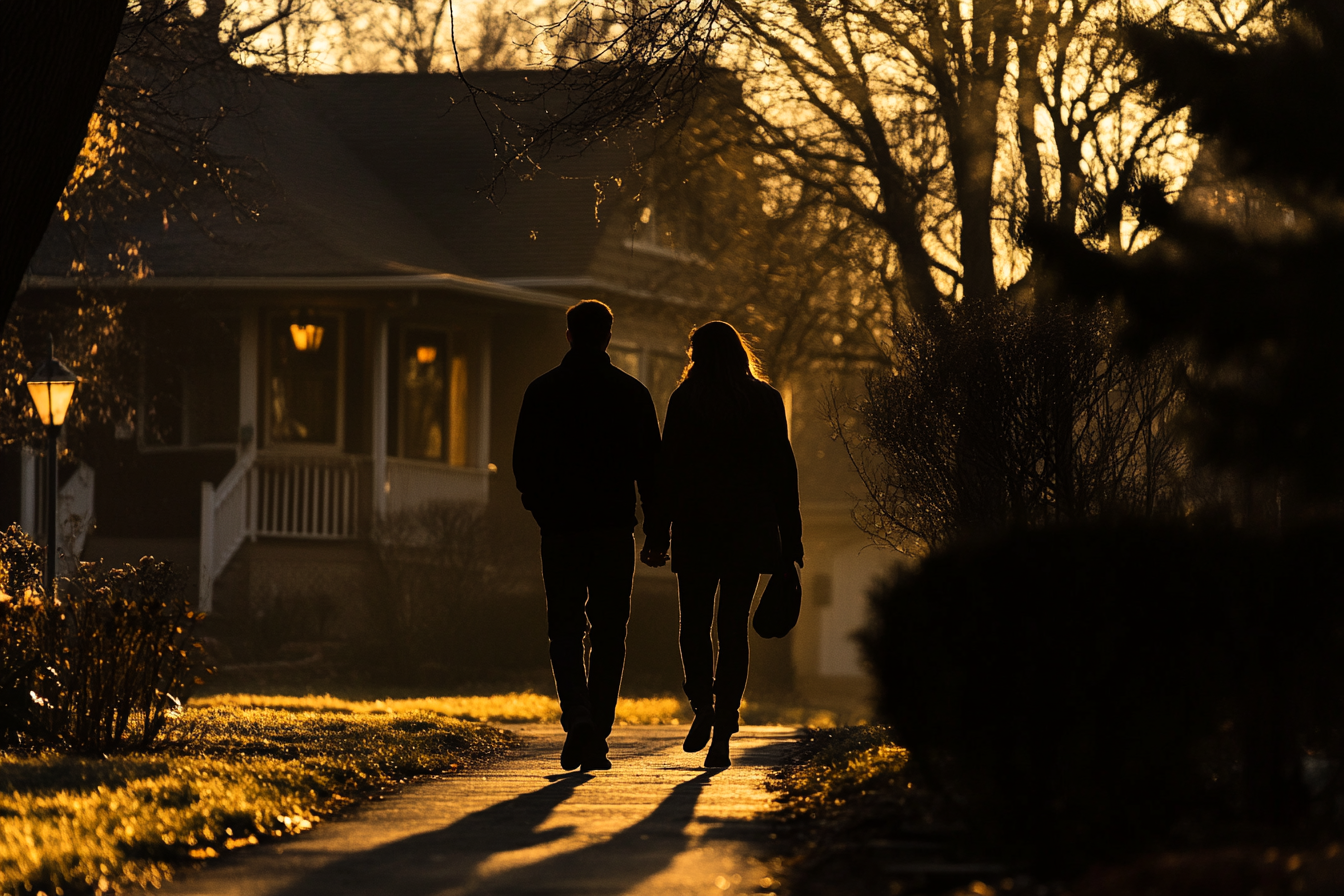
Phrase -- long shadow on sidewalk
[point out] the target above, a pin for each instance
(615, 865)
(447, 858)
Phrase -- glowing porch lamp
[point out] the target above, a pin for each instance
(426, 354)
(307, 337)
(52, 386)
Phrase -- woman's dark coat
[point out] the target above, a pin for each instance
(729, 479)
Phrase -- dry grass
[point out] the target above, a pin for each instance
(516, 709)
(520, 708)
(235, 776)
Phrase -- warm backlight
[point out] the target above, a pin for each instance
(307, 337)
(52, 400)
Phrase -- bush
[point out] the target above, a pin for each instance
(439, 595)
(1089, 690)
(104, 663)
(1014, 415)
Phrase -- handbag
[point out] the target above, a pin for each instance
(778, 611)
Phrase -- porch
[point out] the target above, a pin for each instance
(345, 418)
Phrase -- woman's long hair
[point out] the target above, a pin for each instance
(721, 360)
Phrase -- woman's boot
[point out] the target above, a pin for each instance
(718, 751)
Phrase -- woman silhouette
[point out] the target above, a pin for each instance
(731, 491)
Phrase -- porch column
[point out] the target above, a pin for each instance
(249, 433)
(28, 466)
(483, 442)
(380, 482)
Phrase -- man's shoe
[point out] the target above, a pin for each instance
(701, 728)
(596, 761)
(718, 753)
(576, 746)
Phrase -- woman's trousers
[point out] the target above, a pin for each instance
(709, 684)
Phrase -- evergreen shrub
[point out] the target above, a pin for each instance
(1086, 691)
(103, 664)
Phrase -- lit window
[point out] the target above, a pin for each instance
(305, 381)
(435, 401)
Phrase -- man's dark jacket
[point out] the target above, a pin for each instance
(587, 433)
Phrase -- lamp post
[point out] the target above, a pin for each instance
(52, 386)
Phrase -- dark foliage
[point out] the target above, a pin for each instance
(108, 659)
(437, 595)
(1253, 282)
(1010, 415)
(1088, 691)
(54, 57)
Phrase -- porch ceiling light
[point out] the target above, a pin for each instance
(307, 337)
(52, 386)
(426, 354)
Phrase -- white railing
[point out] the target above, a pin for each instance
(225, 524)
(414, 483)
(277, 497)
(305, 497)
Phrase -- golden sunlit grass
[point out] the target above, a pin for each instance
(520, 708)
(516, 708)
(844, 763)
(234, 776)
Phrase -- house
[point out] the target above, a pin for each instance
(361, 350)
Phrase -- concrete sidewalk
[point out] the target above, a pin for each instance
(655, 825)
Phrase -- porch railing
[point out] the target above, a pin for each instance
(276, 496)
(305, 497)
(224, 524)
(414, 483)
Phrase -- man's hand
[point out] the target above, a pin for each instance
(653, 555)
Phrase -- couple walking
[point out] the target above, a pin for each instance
(719, 491)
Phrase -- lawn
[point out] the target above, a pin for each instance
(523, 707)
(240, 768)
(505, 709)
(230, 777)
(858, 817)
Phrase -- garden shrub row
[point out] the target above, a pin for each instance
(101, 665)
(1089, 691)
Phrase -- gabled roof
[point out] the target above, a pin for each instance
(380, 175)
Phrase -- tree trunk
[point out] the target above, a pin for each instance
(55, 57)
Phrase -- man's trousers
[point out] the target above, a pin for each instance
(588, 576)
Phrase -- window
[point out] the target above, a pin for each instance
(435, 398)
(303, 401)
(189, 393)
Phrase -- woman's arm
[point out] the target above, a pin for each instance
(785, 486)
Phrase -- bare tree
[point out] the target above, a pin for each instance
(1039, 405)
(146, 150)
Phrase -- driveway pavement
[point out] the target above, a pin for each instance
(655, 825)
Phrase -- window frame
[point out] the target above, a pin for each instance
(457, 340)
(267, 366)
(184, 443)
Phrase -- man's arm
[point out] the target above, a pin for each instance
(527, 447)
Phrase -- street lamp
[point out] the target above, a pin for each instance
(52, 386)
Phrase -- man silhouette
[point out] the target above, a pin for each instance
(587, 433)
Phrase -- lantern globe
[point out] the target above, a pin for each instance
(307, 337)
(52, 386)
